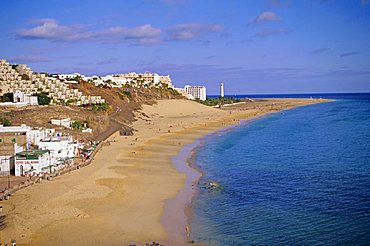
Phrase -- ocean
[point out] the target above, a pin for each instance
(296, 177)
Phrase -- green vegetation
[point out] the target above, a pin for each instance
(71, 101)
(64, 102)
(165, 89)
(79, 125)
(7, 97)
(4, 121)
(103, 107)
(78, 78)
(43, 98)
(126, 92)
(173, 91)
(219, 101)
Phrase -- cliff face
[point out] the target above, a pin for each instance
(122, 105)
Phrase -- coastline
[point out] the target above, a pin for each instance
(127, 187)
(176, 223)
(185, 163)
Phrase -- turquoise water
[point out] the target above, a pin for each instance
(300, 176)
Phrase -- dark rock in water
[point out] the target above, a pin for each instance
(210, 185)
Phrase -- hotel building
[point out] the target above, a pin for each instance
(198, 92)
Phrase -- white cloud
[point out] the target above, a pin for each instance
(265, 17)
(51, 30)
(144, 31)
(191, 31)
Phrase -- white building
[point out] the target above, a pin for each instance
(69, 76)
(87, 130)
(22, 128)
(13, 139)
(59, 147)
(36, 135)
(16, 139)
(17, 130)
(32, 162)
(134, 79)
(33, 136)
(22, 78)
(20, 97)
(62, 122)
(183, 92)
(198, 92)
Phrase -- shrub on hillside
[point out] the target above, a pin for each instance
(79, 125)
(7, 97)
(103, 107)
(43, 98)
(4, 121)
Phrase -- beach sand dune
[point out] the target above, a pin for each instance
(120, 198)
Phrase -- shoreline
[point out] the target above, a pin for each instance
(177, 227)
(127, 187)
(185, 163)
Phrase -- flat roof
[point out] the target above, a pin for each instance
(11, 129)
(31, 154)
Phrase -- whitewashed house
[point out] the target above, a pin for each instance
(20, 97)
(59, 147)
(9, 131)
(69, 76)
(38, 134)
(16, 139)
(32, 162)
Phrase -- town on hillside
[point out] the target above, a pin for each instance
(39, 138)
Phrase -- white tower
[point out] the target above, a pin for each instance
(222, 93)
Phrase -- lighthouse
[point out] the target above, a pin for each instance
(222, 93)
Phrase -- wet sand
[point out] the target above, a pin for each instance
(132, 192)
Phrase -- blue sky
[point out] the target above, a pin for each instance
(267, 46)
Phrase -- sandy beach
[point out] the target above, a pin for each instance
(132, 192)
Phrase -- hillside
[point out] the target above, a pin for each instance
(123, 104)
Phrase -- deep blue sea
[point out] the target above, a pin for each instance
(306, 95)
(296, 177)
